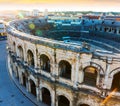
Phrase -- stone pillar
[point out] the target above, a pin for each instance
(40, 93)
(53, 98)
(57, 69)
(25, 53)
(38, 62)
(20, 75)
(106, 83)
(56, 102)
(106, 75)
(10, 65)
(76, 71)
(20, 78)
(37, 89)
(73, 73)
(81, 75)
(29, 88)
(17, 51)
(37, 93)
(35, 51)
(54, 67)
(55, 72)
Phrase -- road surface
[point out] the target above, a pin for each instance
(9, 93)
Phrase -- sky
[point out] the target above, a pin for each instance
(62, 5)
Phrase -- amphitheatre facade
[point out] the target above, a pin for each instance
(64, 65)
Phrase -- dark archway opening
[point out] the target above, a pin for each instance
(13, 70)
(20, 51)
(33, 87)
(63, 101)
(30, 58)
(90, 76)
(24, 79)
(116, 82)
(46, 97)
(14, 47)
(45, 63)
(65, 69)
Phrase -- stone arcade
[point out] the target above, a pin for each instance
(63, 74)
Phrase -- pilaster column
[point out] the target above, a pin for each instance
(40, 91)
(53, 98)
(40, 94)
(20, 78)
(35, 60)
(55, 72)
(106, 83)
(29, 90)
(25, 53)
(10, 65)
(80, 74)
(56, 102)
(37, 93)
(76, 71)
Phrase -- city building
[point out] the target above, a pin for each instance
(110, 17)
(35, 12)
(90, 17)
(65, 65)
(24, 13)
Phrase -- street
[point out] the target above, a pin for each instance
(9, 93)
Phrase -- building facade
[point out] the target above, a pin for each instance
(63, 74)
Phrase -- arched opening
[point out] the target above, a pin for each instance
(45, 63)
(63, 101)
(33, 87)
(30, 58)
(46, 97)
(24, 79)
(84, 105)
(90, 76)
(13, 70)
(14, 48)
(116, 82)
(20, 52)
(65, 69)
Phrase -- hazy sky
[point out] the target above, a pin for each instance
(59, 5)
